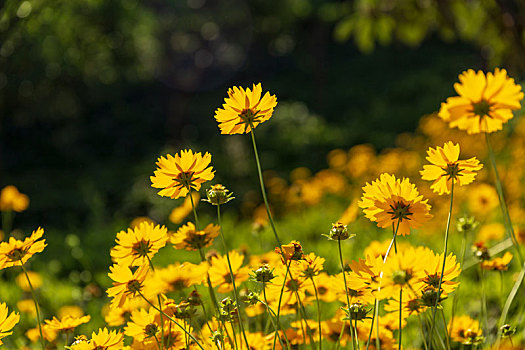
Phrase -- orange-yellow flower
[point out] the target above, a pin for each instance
(244, 109)
(220, 273)
(394, 202)
(126, 283)
(11, 199)
(137, 246)
(465, 330)
(16, 253)
(178, 175)
(68, 323)
(498, 264)
(189, 238)
(104, 339)
(446, 168)
(485, 102)
(7, 322)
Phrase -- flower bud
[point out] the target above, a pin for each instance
(218, 194)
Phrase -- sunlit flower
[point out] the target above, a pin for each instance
(137, 246)
(485, 102)
(7, 321)
(182, 173)
(142, 325)
(68, 323)
(465, 330)
(403, 270)
(394, 203)
(104, 339)
(179, 276)
(482, 199)
(49, 333)
(220, 274)
(16, 253)
(244, 109)
(125, 283)
(189, 238)
(290, 251)
(11, 199)
(446, 168)
(498, 264)
(117, 316)
(34, 277)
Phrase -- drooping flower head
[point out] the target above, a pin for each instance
(446, 168)
(16, 253)
(176, 176)
(244, 109)
(137, 246)
(7, 321)
(485, 102)
(394, 202)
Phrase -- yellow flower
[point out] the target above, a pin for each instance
(180, 213)
(179, 276)
(497, 264)
(244, 110)
(50, 334)
(125, 283)
(220, 274)
(7, 322)
(290, 251)
(36, 280)
(104, 339)
(137, 246)
(465, 330)
(16, 253)
(68, 323)
(485, 102)
(482, 199)
(394, 203)
(491, 232)
(70, 310)
(187, 237)
(446, 168)
(140, 219)
(26, 306)
(178, 175)
(142, 325)
(403, 270)
(11, 199)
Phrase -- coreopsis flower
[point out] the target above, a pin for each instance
(465, 330)
(402, 270)
(324, 284)
(68, 323)
(189, 238)
(137, 246)
(433, 264)
(377, 248)
(394, 203)
(117, 316)
(485, 102)
(483, 198)
(309, 267)
(491, 232)
(7, 321)
(26, 306)
(446, 168)
(104, 339)
(16, 253)
(70, 310)
(218, 194)
(220, 274)
(49, 333)
(498, 264)
(11, 199)
(142, 325)
(126, 283)
(291, 251)
(244, 109)
(34, 277)
(178, 175)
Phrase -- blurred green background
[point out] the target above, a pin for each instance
(93, 91)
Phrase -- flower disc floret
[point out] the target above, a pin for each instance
(178, 175)
(485, 102)
(394, 202)
(244, 109)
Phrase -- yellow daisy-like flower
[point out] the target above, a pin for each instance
(220, 273)
(125, 283)
(178, 175)
(498, 264)
(394, 202)
(7, 321)
(483, 199)
(68, 323)
(16, 253)
(104, 339)
(244, 109)
(187, 237)
(137, 246)
(465, 330)
(11, 199)
(446, 168)
(485, 102)
(142, 325)
(34, 277)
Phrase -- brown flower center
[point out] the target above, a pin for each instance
(482, 108)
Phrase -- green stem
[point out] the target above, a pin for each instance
(263, 190)
(158, 343)
(42, 340)
(355, 333)
(447, 338)
(432, 327)
(211, 291)
(303, 316)
(338, 344)
(241, 326)
(483, 300)
(376, 306)
(503, 204)
(172, 320)
(508, 303)
(318, 312)
(280, 300)
(7, 222)
(161, 345)
(346, 292)
(421, 328)
(456, 294)
(276, 325)
(400, 317)
(194, 209)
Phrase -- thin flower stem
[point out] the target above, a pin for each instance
(447, 337)
(276, 325)
(503, 204)
(483, 300)
(211, 291)
(42, 340)
(303, 316)
(376, 306)
(400, 317)
(280, 300)
(161, 346)
(263, 190)
(172, 320)
(432, 327)
(456, 294)
(241, 326)
(338, 344)
(355, 333)
(194, 209)
(7, 222)
(158, 343)
(508, 303)
(346, 292)
(318, 312)
(421, 328)
(234, 335)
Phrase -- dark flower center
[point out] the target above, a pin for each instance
(482, 108)
(452, 171)
(400, 211)
(142, 248)
(185, 179)
(17, 254)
